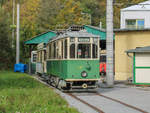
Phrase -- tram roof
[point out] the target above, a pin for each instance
(81, 33)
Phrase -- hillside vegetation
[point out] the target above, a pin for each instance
(38, 16)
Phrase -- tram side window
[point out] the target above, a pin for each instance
(94, 49)
(44, 55)
(34, 57)
(62, 45)
(49, 51)
(40, 56)
(72, 51)
(84, 51)
(54, 50)
(65, 55)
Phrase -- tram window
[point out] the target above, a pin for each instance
(44, 55)
(40, 56)
(72, 51)
(49, 51)
(94, 50)
(34, 57)
(84, 51)
(54, 50)
(62, 45)
(65, 49)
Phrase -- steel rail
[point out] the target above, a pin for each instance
(84, 102)
(130, 106)
(75, 97)
(98, 94)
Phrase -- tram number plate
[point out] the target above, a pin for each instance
(84, 40)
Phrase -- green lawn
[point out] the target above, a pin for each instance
(20, 93)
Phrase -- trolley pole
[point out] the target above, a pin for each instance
(109, 44)
(17, 38)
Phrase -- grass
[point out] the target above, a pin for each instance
(20, 93)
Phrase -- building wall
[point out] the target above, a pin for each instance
(124, 41)
(135, 15)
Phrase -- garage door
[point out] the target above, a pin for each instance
(142, 68)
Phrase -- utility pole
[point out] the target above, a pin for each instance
(13, 23)
(109, 44)
(17, 34)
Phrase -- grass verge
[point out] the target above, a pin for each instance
(20, 93)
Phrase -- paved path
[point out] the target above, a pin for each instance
(135, 96)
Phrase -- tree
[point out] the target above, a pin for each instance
(29, 13)
(71, 14)
(7, 55)
(48, 11)
(97, 9)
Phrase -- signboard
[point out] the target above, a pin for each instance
(79, 51)
(72, 39)
(84, 39)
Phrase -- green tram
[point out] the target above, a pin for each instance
(72, 60)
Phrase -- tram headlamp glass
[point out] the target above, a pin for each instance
(84, 74)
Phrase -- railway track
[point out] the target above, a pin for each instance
(97, 109)
(127, 105)
(84, 102)
(106, 97)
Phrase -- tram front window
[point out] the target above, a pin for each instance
(84, 51)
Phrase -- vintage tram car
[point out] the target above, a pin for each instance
(71, 60)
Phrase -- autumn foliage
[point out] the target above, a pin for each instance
(38, 16)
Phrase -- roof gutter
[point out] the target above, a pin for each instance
(129, 55)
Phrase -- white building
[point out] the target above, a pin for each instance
(136, 16)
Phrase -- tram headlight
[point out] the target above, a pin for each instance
(84, 74)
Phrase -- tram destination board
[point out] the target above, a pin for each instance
(83, 39)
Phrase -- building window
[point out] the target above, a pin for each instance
(140, 23)
(134, 23)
